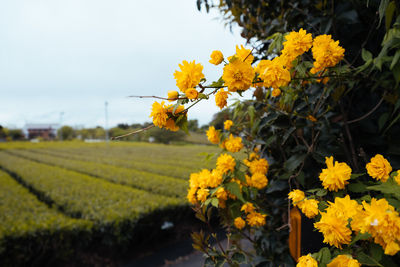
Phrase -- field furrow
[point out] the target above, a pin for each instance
(83, 196)
(181, 172)
(22, 214)
(151, 182)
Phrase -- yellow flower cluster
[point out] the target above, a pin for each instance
(344, 261)
(221, 98)
(212, 135)
(379, 168)
(307, 261)
(201, 182)
(308, 206)
(296, 44)
(382, 221)
(326, 53)
(258, 169)
(334, 221)
(253, 217)
(226, 163)
(335, 176)
(216, 57)
(238, 75)
(228, 124)
(233, 144)
(189, 76)
(273, 73)
(164, 116)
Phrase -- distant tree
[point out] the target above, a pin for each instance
(66, 133)
(16, 134)
(123, 126)
(193, 125)
(165, 136)
(219, 118)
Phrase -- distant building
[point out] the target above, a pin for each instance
(46, 131)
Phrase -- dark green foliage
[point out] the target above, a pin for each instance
(357, 112)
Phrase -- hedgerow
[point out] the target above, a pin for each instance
(158, 184)
(29, 228)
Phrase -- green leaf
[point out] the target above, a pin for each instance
(382, 120)
(382, 10)
(357, 187)
(367, 260)
(321, 192)
(234, 188)
(376, 251)
(360, 236)
(214, 202)
(395, 59)
(388, 187)
(239, 257)
(391, 8)
(202, 96)
(294, 161)
(356, 175)
(366, 55)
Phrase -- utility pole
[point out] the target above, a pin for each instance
(106, 128)
(61, 118)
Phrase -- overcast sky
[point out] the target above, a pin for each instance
(73, 55)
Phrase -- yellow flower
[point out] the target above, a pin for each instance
(220, 98)
(307, 261)
(311, 118)
(258, 165)
(221, 194)
(309, 207)
(256, 219)
(202, 194)
(397, 177)
(213, 135)
(233, 144)
(204, 178)
(274, 74)
(254, 156)
(170, 125)
(244, 54)
(296, 44)
(226, 163)
(189, 76)
(239, 223)
(191, 93)
(258, 180)
(238, 75)
(326, 53)
(215, 178)
(276, 92)
(335, 176)
(297, 196)
(228, 124)
(344, 261)
(379, 168)
(247, 207)
(335, 230)
(191, 195)
(159, 114)
(172, 95)
(383, 223)
(216, 57)
(344, 207)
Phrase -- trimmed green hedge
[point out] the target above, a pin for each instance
(29, 228)
(154, 183)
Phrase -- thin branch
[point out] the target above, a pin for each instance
(369, 112)
(158, 97)
(134, 132)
